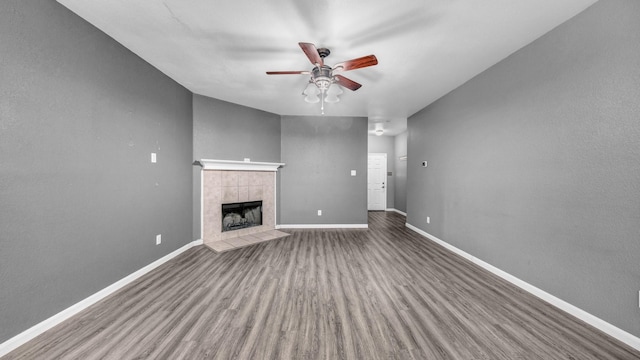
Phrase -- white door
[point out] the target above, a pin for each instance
(377, 182)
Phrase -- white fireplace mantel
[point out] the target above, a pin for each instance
(211, 164)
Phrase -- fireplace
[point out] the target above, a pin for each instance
(241, 215)
(233, 182)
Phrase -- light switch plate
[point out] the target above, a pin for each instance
(353, 173)
(153, 158)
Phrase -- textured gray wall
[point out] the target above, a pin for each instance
(534, 165)
(320, 153)
(80, 202)
(226, 131)
(386, 144)
(400, 188)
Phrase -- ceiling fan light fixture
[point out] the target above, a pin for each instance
(378, 129)
(311, 93)
(332, 99)
(321, 85)
(321, 76)
(334, 90)
(332, 93)
(312, 99)
(311, 89)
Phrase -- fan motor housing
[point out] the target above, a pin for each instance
(321, 76)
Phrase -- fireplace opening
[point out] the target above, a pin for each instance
(241, 215)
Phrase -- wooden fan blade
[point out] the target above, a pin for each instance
(312, 53)
(347, 83)
(358, 63)
(288, 72)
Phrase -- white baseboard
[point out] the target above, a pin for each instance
(20, 339)
(323, 226)
(398, 211)
(590, 319)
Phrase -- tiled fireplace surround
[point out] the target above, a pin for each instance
(232, 182)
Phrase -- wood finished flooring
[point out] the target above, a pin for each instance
(381, 293)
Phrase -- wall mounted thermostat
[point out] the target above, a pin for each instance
(424, 163)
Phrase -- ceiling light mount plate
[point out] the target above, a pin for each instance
(323, 52)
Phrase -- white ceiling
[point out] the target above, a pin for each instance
(425, 48)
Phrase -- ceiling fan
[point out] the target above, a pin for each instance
(323, 76)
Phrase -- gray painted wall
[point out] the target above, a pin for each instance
(400, 188)
(534, 164)
(80, 202)
(226, 131)
(386, 144)
(320, 153)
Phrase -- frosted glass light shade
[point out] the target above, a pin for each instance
(311, 93)
(312, 99)
(332, 93)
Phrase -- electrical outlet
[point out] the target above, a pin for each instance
(158, 239)
(638, 298)
(353, 173)
(247, 159)
(319, 212)
(428, 220)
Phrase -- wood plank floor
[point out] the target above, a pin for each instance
(381, 293)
